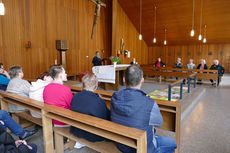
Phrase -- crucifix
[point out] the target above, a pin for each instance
(96, 14)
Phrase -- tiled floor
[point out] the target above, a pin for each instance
(205, 130)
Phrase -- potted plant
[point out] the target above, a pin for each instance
(115, 60)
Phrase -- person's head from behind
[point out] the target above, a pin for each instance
(16, 72)
(90, 82)
(97, 54)
(45, 77)
(159, 59)
(216, 62)
(191, 61)
(57, 72)
(134, 77)
(178, 60)
(1, 68)
(202, 61)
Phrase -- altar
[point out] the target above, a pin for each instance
(109, 76)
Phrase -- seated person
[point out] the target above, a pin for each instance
(4, 78)
(6, 121)
(134, 61)
(37, 88)
(132, 107)
(159, 63)
(17, 86)
(97, 59)
(202, 66)
(220, 68)
(191, 65)
(178, 64)
(87, 102)
(56, 93)
(9, 145)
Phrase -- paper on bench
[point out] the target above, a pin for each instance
(105, 73)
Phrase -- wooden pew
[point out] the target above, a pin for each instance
(132, 137)
(129, 136)
(171, 112)
(182, 73)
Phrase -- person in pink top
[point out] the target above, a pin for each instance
(56, 93)
(159, 63)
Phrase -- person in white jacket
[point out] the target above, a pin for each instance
(36, 90)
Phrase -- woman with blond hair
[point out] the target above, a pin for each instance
(202, 66)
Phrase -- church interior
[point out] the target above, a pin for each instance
(180, 48)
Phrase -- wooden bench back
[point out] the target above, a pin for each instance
(171, 111)
(175, 72)
(132, 137)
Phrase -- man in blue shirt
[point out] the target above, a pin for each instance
(4, 78)
(131, 107)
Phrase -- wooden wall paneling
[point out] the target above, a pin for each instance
(226, 57)
(126, 30)
(43, 22)
(114, 26)
(150, 55)
(191, 53)
(170, 56)
(185, 59)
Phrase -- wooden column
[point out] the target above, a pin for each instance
(177, 128)
(47, 133)
(4, 105)
(142, 144)
(63, 59)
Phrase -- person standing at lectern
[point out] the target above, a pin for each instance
(97, 59)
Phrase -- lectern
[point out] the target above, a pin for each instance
(62, 46)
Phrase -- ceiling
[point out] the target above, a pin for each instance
(176, 17)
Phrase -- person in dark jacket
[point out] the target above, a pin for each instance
(202, 66)
(87, 102)
(97, 59)
(9, 145)
(4, 78)
(178, 64)
(159, 63)
(220, 68)
(133, 108)
(134, 61)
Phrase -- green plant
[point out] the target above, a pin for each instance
(115, 59)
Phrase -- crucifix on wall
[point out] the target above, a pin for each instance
(96, 14)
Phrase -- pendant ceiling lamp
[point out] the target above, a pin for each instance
(155, 23)
(165, 41)
(205, 32)
(201, 11)
(192, 33)
(140, 36)
(2, 8)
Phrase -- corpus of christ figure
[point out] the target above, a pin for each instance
(96, 14)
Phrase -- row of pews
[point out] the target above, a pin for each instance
(171, 112)
(149, 70)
